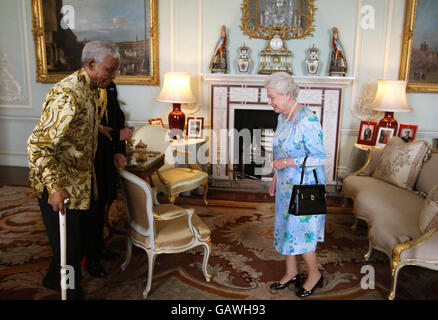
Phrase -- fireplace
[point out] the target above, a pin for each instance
(240, 110)
(251, 146)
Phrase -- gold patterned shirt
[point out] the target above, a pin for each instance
(62, 146)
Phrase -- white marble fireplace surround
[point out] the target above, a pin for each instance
(236, 91)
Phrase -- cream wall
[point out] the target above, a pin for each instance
(188, 32)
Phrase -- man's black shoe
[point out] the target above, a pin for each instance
(77, 294)
(51, 285)
(108, 255)
(95, 269)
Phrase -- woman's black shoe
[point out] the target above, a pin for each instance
(295, 280)
(77, 294)
(302, 293)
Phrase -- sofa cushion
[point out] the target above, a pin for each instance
(392, 212)
(401, 162)
(429, 213)
(428, 177)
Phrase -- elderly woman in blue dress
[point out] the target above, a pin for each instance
(298, 135)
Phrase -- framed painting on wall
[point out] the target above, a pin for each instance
(419, 61)
(61, 28)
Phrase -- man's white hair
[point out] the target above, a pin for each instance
(98, 50)
(283, 83)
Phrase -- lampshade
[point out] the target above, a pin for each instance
(391, 97)
(176, 88)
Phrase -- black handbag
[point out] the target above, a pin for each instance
(308, 199)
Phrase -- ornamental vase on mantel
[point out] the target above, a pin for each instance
(312, 62)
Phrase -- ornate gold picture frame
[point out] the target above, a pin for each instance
(62, 27)
(419, 59)
(293, 18)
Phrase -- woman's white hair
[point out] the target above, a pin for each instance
(98, 51)
(283, 83)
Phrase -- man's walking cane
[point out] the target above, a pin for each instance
(63, 247)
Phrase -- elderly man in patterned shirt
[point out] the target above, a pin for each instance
(61, 152)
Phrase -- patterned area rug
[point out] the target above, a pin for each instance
(243, 262)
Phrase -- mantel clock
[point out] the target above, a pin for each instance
(275, 57)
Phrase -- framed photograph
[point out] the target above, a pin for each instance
(419, 65)
(367, 133)
(407, 132)
(383, 136)
(156, 122)
(195, 127)
(435, 145)
(61, 28)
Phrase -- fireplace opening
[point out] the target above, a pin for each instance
(256, 128)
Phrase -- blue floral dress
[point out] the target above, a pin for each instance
(295, 139)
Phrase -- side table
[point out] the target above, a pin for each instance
(154, 162)
(359, 156)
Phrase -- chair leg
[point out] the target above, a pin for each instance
(205, 193)
(394, 276)
(354, 225)
(344, 202)
(367, 255)
(172, 198)
(207, 250)
(128, 255)
(151, 260)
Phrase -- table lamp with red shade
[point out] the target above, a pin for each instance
(390, 98)
(176, 90)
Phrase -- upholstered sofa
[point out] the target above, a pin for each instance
(396, 193)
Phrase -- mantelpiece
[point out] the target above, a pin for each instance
(236, 91)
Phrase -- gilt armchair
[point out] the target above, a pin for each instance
(160, 228)
(169, 179)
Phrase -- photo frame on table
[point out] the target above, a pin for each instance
(156, 122)
(367, 133)
(383, 136)
(407, 132)
(435, 145)
(195, 125)
(418, 65)
(61, 29)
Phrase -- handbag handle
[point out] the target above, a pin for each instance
(302, 172)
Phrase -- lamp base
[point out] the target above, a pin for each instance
(388, 121)
(177, 120)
